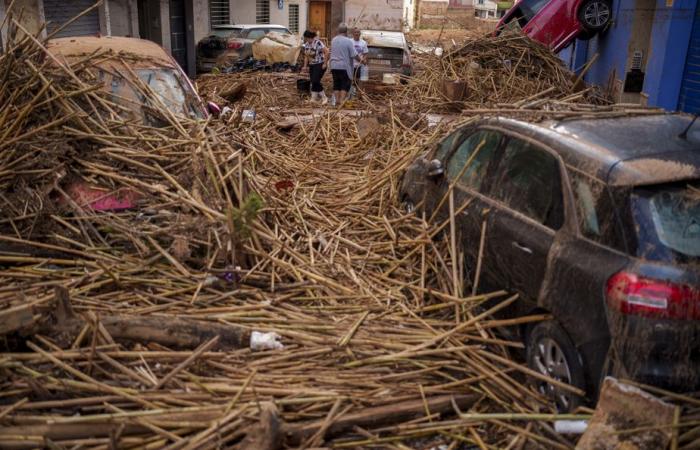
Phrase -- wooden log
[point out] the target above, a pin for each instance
(171, 332)
(380, 416)
(267, 433)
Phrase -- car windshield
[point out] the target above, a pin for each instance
(674, 213)
(167, 85)
(226, 32)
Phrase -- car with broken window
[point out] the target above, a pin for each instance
(593, 222)
(142, 79)
(556, 23)
(227, 44)
(389, 52)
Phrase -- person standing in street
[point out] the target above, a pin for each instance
(316, 58)
(342, 56)
(362, 50)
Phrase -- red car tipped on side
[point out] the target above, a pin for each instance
(556, 23)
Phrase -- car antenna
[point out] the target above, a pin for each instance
(684, 134)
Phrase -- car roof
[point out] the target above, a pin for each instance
(76, 47)
(247, 26)
(383, 38)
(623, 151)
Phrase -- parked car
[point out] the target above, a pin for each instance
(230, 43)
(388, 53)
(593, 221)
(556, 23)
(155, 69)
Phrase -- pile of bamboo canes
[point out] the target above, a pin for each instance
(496, 70)
(287, 224)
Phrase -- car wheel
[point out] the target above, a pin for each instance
(595, 15)
(550, 352)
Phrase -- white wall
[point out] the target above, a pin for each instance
(124, 19)
(375, 14)
(409, 13)
(201, 19)
(243, 11)
(281, 16)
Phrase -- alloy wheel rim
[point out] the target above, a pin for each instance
(550, 360)
(596, 14)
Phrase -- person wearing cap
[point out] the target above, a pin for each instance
(342, 56)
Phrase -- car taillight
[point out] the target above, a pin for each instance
(629, 293)
(235, 45)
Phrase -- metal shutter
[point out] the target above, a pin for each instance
(58, 12)
(689, 99)
(219, 12)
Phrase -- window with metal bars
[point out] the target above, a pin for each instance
(262, 11)
(294, 18)
(219, 12)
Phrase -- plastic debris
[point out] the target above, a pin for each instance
(265, 341)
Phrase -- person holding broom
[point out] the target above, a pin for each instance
(316, 58)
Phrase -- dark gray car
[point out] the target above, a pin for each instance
(596, 222)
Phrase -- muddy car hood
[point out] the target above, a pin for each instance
(139, 53)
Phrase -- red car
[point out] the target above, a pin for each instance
(556, 23)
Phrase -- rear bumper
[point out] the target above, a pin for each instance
(377, 72)
(207, 64)
(664, 353)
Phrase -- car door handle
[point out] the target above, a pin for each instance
(522, 248)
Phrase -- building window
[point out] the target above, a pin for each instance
(219, 12)
(262, 11)
(294, 18)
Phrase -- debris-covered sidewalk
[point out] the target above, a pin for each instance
(266, 290)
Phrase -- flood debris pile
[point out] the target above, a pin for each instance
(490, 71)
(265, 290)
(63, 131)
(153, 325)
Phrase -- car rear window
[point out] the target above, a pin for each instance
(670, 216)
(227, 32)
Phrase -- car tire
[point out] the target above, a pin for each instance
(595, 15)
(550, 352)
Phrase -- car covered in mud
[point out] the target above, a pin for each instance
(594, 223)
(227, 44)
(141, 78)
(389, 52)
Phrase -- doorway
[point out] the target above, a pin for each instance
(178, 28)
(320, 18)
(149, 21)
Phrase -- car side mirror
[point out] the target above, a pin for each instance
(435, 169)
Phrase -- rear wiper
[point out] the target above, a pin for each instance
(684, 134)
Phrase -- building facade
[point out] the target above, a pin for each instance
(176, 25)
(490, 9)
(650, 54)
